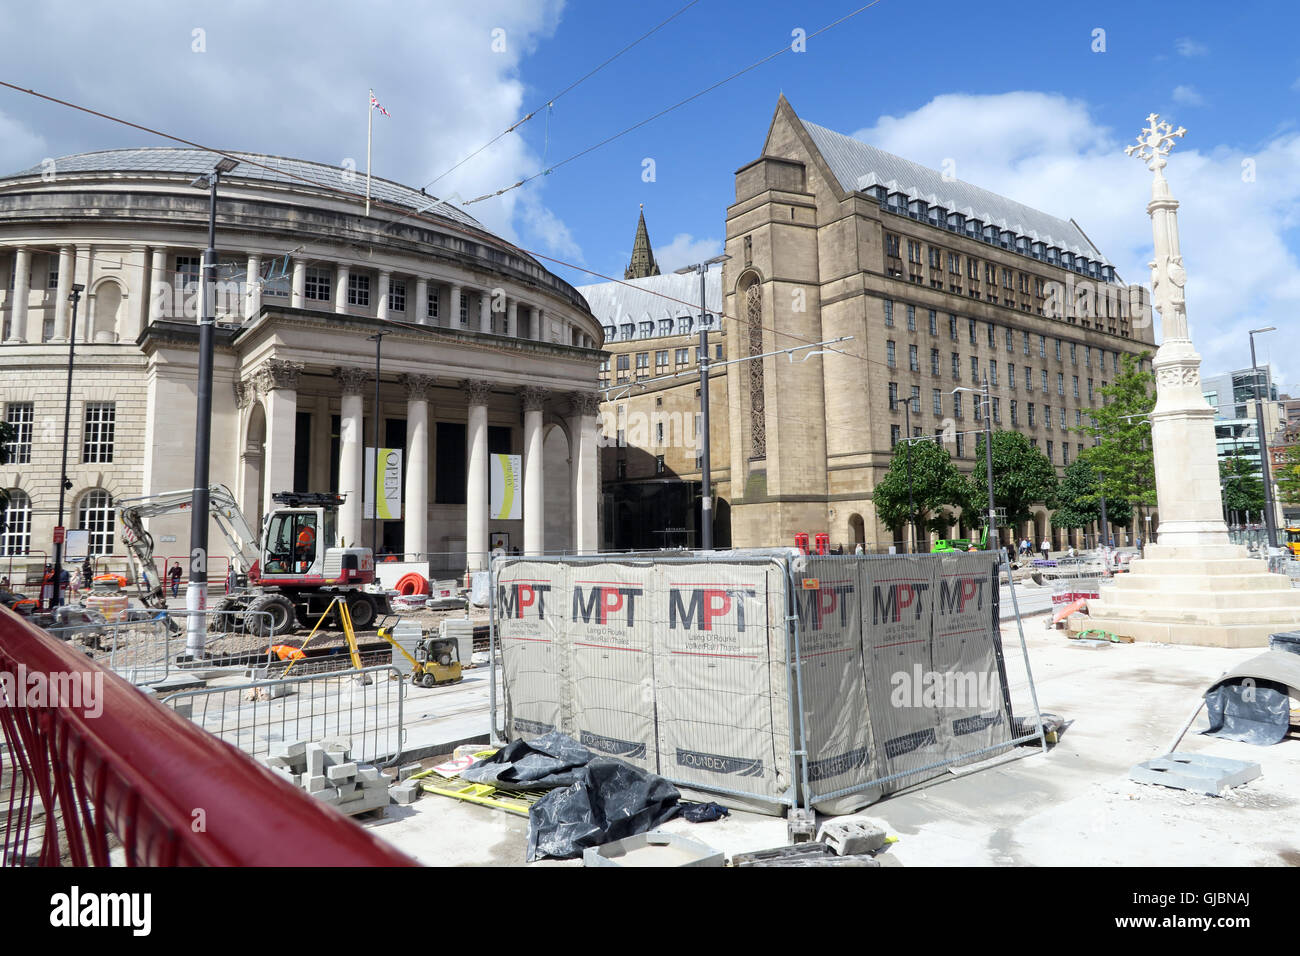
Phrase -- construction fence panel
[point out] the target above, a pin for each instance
(611, 635)
(913, 683)
(365, 706)
(529, 604)
(676, 665)
(140, 650)
(720, 688)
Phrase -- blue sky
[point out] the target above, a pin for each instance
(1015, 94)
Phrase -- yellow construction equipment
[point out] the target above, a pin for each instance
(436, 660)
(1293, 540)
(346, 617)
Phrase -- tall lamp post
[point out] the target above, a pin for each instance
(988, 456)
(196, 591)
(911, 508)
(706, 489)
(378, 339)
(74, 297)
(1265, 466)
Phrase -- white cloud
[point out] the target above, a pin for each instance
(20, 147)
(541, 226)
(1188, 96)
(1186, 46)
(432, 65)
(1049, 152)
(685, 250)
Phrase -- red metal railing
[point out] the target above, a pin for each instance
(117, 762)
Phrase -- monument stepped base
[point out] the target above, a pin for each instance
(1209, 595)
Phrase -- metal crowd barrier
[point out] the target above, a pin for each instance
(365, 706)
(140, 650)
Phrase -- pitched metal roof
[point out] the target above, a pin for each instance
(858, 165)
(652, 298)
(194, 162)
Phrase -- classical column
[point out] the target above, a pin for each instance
(422, 301)
(381, 307)
(485, 311)
(476, 489)
(253, 287)
(453, 308)
(341, 287)
(20, 295)
(61, 306)
(584, 407)
(534, 323)
(277, 382)
(161, 294)
(298, 291)
(351, 437)
(534, 401)
(512, 318)
(416, 512)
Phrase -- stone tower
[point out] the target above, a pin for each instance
(643, 258)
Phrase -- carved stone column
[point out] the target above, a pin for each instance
(352, 381)
(276, 382)
(476, 488)
(584, 407)
(416, 513)
(534, 403)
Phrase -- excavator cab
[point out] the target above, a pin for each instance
(293, 543)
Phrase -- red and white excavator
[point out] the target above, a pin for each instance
(289, 574)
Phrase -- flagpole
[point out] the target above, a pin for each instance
(370, 125)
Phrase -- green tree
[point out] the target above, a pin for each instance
(1022, 476)
(1243, 485)
(1078, 499)
(1287, 483)
(937, 485)
(1122, 457)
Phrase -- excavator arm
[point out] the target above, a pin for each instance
(223, 508)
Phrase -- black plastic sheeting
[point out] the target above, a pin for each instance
(1255, 711)
(593, 800)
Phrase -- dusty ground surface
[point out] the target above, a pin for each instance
(1073, 805)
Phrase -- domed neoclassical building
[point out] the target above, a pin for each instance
(484, 352)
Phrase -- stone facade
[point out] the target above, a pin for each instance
(304, 278)
(924, 290)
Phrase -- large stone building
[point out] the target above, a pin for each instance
(484, 352)
(938, 283)
(650, 436)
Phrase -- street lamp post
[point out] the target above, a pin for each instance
(74, 297)
(1265, 466)
(911, 508)
(378, 339)
(988, 456)
(706, 489)
(196, 591)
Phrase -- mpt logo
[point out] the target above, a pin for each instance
(888, 602)
(954, 595)
(818, 607)
(698, 607)
(603, 600)
(517, 597)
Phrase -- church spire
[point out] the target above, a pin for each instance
(643, 258)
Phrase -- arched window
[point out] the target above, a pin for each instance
(17, 535)
(95, 514)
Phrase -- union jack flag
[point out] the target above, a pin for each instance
(374, 104)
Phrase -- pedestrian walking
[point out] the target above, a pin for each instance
(175, 575)
(1046, 548)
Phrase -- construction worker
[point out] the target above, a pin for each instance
(306, 547)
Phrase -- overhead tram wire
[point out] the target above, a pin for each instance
(551, 101)
(442, 223)
(666, 110)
